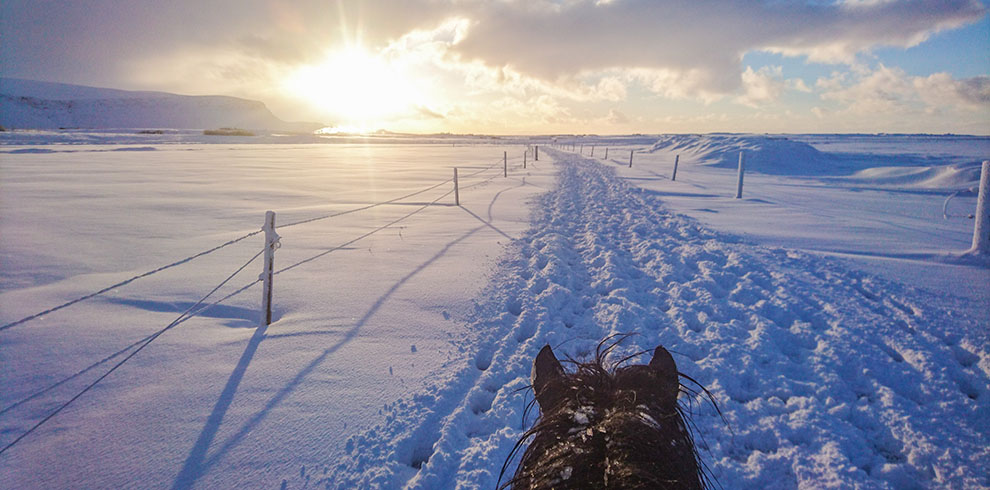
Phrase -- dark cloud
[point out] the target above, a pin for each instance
(101, 41)
(709, 37)
(98, 41)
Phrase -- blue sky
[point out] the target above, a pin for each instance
(535, 66)
(964, 52)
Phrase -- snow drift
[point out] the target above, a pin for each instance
(781, 155)
(766, 154)
(45, 105)
(957, 177)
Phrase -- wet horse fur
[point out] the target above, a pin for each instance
(601, 427)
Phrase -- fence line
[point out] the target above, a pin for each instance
(71, 377)
(390, 201)
(129, 356)
(372, 232)
(198, 307)
(128, 281)
(218, 247)
(221, 300)
(125, 349)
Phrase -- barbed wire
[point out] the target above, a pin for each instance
(147, 342)
(945, 206)
(128, 281)
(198, 307)
(363, 208)
(221, 246)
(121, 351)
(366, 235)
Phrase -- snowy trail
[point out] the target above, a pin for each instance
(827, 377)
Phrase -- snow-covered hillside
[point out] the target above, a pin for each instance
(44, 105)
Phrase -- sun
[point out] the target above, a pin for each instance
(355, 87)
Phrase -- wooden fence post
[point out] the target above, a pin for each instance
(268, 269)
(981, 229)
(536, 153)
(457, 192)
(505, 164)
(592, 150)
(606, 153)
(630, 158)
(674, 176)
(524, 160)
(739, 182)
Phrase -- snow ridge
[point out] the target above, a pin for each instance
(775, 155)
(827, 377)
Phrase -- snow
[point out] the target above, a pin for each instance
(893, 227)
(829, 311)
(33, 104)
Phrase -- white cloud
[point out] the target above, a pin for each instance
(762, 86)
(690, 38)
(941, 90)
(889, 90)
(506, 55)
(616, 118)
(798, 85)
(765, 86)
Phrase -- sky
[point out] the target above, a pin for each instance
(533, 66)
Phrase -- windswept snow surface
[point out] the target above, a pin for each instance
(827, 377)
(361, 319)
(403, 359)
(875, 201)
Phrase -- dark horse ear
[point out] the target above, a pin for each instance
(546, 370)
(666, 369)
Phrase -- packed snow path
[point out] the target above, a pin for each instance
(826, 377)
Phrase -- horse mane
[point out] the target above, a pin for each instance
(607, 425)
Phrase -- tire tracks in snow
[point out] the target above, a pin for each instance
(827, 376)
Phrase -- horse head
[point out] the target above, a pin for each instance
(608, 427)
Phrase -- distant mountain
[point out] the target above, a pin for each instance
(46, 105)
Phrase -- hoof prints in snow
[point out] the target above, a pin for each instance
(827, 377)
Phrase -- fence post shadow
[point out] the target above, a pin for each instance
(197, 462)
(193, 466)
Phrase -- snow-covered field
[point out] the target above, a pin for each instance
(829, 311)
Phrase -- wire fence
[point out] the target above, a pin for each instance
(202, 305)
(981, 218)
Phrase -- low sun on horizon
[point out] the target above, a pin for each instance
(358, 90)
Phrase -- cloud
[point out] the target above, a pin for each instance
(676, 84)
(426, 113)
(500, 57)
(940, 89)
(698, 43)
(707, 39)
(889, 92)
(615, 117)
(762, 86)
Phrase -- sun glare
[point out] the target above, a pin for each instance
(357, 88)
